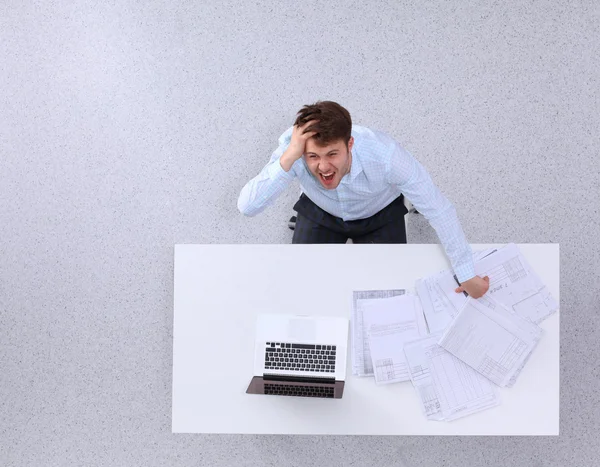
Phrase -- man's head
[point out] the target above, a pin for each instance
(328, 153)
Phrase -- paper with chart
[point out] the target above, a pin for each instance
(420, 375)
(439, 307)
(389, 323)
(440, 301)
(359, 344)
(500, 308)
(447, 388)
(514, 284)
(494, 342)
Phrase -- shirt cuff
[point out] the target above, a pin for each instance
(465, 272)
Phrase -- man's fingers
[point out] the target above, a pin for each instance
(459, 290)
(304, 126)
(307, 135)
(308, 124)
(486, 278)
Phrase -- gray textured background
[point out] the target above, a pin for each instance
(127, 127)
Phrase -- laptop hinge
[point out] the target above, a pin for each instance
(299, 379)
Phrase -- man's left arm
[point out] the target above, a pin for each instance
(417, 186)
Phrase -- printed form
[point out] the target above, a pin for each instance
(491, 340)
(359, 342)
(500, 308)
(514, 284)
(447, 388)
(389, 323)
(439, 307)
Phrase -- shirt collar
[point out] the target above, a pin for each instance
(355, 167)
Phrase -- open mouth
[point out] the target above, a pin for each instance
(328, 177)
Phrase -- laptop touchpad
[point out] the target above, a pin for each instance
(302, 329)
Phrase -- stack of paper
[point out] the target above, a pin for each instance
(512, 283)
(454, 349)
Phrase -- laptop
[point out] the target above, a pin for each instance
(297, 355)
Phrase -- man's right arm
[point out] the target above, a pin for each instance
(263, 190)
(276, 176)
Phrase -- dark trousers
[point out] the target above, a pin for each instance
(314, 225)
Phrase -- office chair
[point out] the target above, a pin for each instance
(409, 206)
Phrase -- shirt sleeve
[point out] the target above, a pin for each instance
(415, 183)
(263, 190)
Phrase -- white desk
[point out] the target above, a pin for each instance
(219, 290)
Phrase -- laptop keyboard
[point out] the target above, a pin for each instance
(305, 391)
(300, 357)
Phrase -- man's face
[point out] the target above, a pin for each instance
(330, 163)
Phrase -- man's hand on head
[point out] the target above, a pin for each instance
(476, 286)
(297, 145)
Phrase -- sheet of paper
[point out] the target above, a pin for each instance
(420, 375)
(440, 302)
(514, 283)
(359, 343)
(447, 388)
(491, 340)
(391, 322)
(500, 308)
(534, 330)
(462, 391)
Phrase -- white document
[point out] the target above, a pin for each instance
(440, 301)
(500, 308)
(420, 375)
(390, 322)
(447, 388)
(359, 343)
(514, 284)
(491, 340)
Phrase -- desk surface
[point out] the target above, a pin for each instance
(220, 289)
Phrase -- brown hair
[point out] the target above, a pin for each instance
(334, 122)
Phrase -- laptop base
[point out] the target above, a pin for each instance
(311, 388)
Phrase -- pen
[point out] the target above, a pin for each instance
(459, 284)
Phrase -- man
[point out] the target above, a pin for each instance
(353, 181)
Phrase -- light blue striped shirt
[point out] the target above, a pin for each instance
(380, 171)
